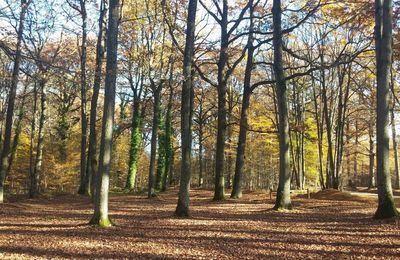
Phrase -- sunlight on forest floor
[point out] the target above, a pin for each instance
(246, 229)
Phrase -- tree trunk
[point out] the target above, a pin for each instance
(35, 178)
(371, 155)
(32, 136)
(383, 50)
(18, 130)
(168, 139)
(100, 216)
(91, 170)
(6, 147)
(153, 152)
(182, 208)
(161, 152)
(241, 147)
(84, 181)
(395, 152)
(219, 187)
(320, 133)
(134, 151)
(283, 194)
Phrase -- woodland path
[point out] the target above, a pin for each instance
(246, 229)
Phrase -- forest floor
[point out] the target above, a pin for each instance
(330, 225)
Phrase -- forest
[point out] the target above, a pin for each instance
(192, 129)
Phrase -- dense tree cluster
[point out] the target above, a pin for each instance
(139, 96)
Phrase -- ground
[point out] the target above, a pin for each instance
(320, 227)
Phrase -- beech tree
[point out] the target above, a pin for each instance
(100, 215)
(182, 208)
(6, 146)
(383, 51)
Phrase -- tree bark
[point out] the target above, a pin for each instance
(34, 188)
(100, 216)
(182, 208)
(219, 186)
(241, 147)
(383, 50)
(91, 173)
(283, 194)
(153, 152)
(6, 147)
(83, 179)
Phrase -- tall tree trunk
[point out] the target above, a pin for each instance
(18, 129)
(161, 152)
(6, 147)
(134, 150)
(34, 188)
(182, 208)
(32, 136)
(371, 151)
(320, 133)
(100, 216)
(283, 194)
(219, 186)
(91, 170)
(168, 138)
(383, 50)
(241, 147)
(83, 180)
(153, 152)
(395, 151)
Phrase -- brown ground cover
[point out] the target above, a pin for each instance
(320, 227)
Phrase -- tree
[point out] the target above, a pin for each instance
(6, 147)
(100, 215)
(237, 182)
(383, 51)
(283, 194)
(91, 169)
(182, 208)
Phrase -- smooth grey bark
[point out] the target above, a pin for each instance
(84, 124)
(100, 216)
(383, 50)
(219, 185)
(34, 188)
(6, 147)
(283, 194)
(91, 169)
(241, 147)
(182, 208)
(320, 134)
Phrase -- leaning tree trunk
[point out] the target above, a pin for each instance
(383, 50)
(241, 147)
(6, 147)
(283, 194)
(100, 216)
(182, 208)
